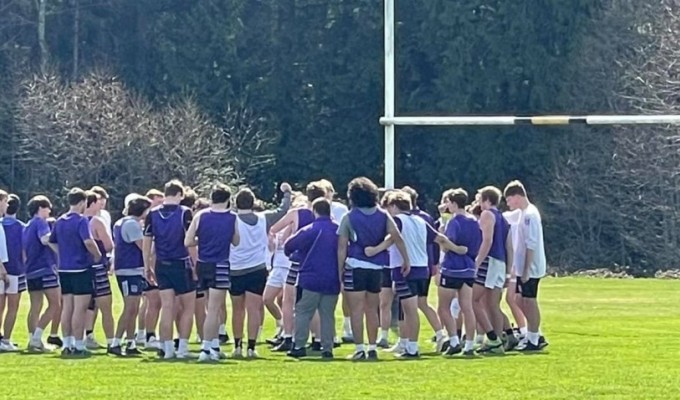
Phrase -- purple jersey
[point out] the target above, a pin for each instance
(128, 254)
(370, 230)
(14, 231)
(40, 259)
(500, 235)
(305, 217)
(463, 231)
(167, 225)
(215, 232)
(70, 233)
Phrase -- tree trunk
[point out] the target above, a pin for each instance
(44, 52)
(76, 34)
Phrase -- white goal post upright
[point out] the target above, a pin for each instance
(390, 120)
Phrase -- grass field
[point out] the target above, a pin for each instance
(608, 339)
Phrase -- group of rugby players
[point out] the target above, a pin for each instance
(175, 258)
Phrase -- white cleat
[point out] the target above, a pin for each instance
(205, 357)
(92, 344)
(152, 344)
(237, 353)
(182, 355)
(8, 346)
(252, 354)
(36, 346)
(398, 348)
(217, 355)
(441, 342)
(169, 355)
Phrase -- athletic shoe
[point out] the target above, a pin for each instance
(182, 355)
(315, 346)
(297, 353)
(217, 354)
(9, 346)
(469, 353)
(383, 344)
(224, 339)
(115, 350)
(347, 338)
(542, 343)
(66, 351)
(152, 344)
(530, 347)
(132, 351)
(493, 347)
(326, 355)
(35, 346)
(523, 342)
(336, 342)
(511, 343)
(275, 341)
(237, 353)
(441, 344)
(357, 356)
(286, 345)
(434, 339)
(55, 341)
(92, 344)
(204, 357)
(446, 346)
(408, 356)
(398, 348)
(176, 343)
(452, 351)
(252, 353)
(80, 353)
(372, 355)
(167, 356)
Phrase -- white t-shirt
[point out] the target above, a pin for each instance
(530, 236)
(4, 256)
(338, 210)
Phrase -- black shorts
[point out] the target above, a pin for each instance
(362, 280)
(455, 283)
(77, 283)
(102, 286)
(133, 285)
(175, 275)
(293, 272)
(528, 289)
(46, 282)
(417, 287)
(252, 282)
(212, 276)
(149, 287)
(386, 278)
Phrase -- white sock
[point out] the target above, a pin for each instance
(359, 347)
(403, 342)
(439, 334)
(287, 335)
(479, 339)
(169, 347)
(454, 341)
(206, 345)
(384, 334)
(115, 342)
(469, 345)
(183, 346)
(523, 331)
(141, 333)
(222, 330)
(70, 341)
(279, 323)
(37, 335)
(215, 343)
(109, 341)
(372, 347)
(533, 338)
(412, 347)
(79, 345)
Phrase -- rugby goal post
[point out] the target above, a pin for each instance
(389, 120)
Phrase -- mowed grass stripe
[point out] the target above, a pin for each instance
(608, 339)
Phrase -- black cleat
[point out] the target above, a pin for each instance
(297, 353)
(66, 352)
(530, 347)
(275, 341)
(326, 355)
(55, 341)
(358, 356)
(408, 356)
(434, 339)
(445, 346)
(115, 350)
(452, 351)
(372, 355)
(286, 345)
(542, 343)
(316, 346)
(132, 351)
(224, 339)
(80, 353)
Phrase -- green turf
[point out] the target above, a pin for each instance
(608, 339)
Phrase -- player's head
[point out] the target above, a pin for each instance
(321, 207)
(413, 194)
(330, 190)
(362, 193)
(398, 202)
(220, 194)
(39, 206)
(315, 190)
(3, 201)
(13, 204)
(245, 199)
(174, 191)
(156, 197)
(77, 199)
(138, 206)
(93, 203)
(489, 197)
(456, 199)
(515, 194)
(103, 196)
(190, 197)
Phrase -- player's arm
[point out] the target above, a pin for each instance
(486, 223)
(236, 239)
(274, 216)
(393, 231)
(531, 243)
(289, 219)
(190, 236)
(102, 234)
(343, 242)
(447, 245)
(300, 241)
(509, 254)
(371, 251)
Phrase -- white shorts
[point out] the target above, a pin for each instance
(17, 284)
(495, 274)
(277, 277)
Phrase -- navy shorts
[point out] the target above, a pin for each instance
(102, 286)
(293, 272)
(213, 276)
(386, 278)
(528, 289)
(149, 287)
(455, 283)
(77, 283)
(175, 275)
(45, 282)
(132, 285)
(407, 289)
(362, 280)
(252, 282)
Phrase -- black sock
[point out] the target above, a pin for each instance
(491, 335)
(288, 340)
(237, 342)
(88, 332)
(459, 332)
(251, 344)
(149, 335)
(509, 332)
